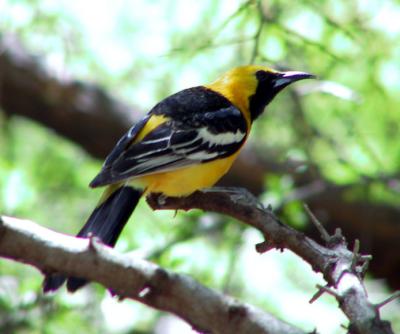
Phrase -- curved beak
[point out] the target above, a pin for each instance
(285, 78)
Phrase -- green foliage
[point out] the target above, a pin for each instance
(346, 126)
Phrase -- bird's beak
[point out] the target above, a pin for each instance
(286, 78)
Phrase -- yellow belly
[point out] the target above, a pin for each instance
(184, 181)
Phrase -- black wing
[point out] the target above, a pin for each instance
(195, 133)
(125, 141)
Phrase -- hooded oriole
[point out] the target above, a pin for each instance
(188, 141)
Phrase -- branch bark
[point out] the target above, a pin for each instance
(338, 265)
(207, 310)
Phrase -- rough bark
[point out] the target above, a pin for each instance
(343, 270)
(207, 310)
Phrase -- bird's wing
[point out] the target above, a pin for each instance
(125, 141)
(175, 144)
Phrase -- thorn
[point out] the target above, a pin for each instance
(321, 229)
(329, 291)
(264, 247)
(318, 294)
(363, 268)
(359, 263)
(321, 291)
(337, 239)
(338, 233)
(261, 206)
(356, 256)
(394, 296)
(366, 257)
(114, 293)
(121, 298)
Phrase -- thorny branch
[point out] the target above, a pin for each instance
(203, 308)
(342, 269)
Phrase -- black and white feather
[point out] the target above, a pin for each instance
(202, 126)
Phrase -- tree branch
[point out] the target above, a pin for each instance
(65, 105)
(335, 261)
(205, 309)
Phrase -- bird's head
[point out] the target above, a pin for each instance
(252, 87)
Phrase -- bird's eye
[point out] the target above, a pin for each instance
(263, 76)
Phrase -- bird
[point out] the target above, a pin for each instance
(186, 142)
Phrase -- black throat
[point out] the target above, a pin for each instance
(264, 94)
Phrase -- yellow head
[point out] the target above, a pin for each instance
(252, 87)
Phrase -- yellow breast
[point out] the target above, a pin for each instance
(184, 181)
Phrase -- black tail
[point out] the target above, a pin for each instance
(106, 223)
